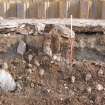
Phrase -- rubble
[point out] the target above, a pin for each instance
(25, 29)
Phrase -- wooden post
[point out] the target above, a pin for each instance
(62, 9)
(46, 6)
(2, 9)
(21, 7)
(71, 42)
(11, 11)
(84, 8)
(103, 9)
(68, 2)
(74, 8)
(94, 9)
(40, 9)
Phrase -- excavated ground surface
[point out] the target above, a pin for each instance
(55, 83)
(56, 87)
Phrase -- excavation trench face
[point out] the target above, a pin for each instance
(88, 46)
(43, 82)
(10, 42)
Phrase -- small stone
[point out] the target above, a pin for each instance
(20, 77)
(54, 57)
(32, 85)
(19, 86)
(5, 65)
(30, 71)
(61, 99)
(30, 57)
(88, 77)
(57, 57)
(52, 62)
(71, 93)
(89, 89)
(41, 72)
(99, 87)
(49, 90)
(40, 27)
(100, 72)
(48, 51)
(29, 65)
(23, 61)
(73, 79)
(65, 85)
(36, 63)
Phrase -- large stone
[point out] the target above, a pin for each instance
(7, 82)
(21, 47)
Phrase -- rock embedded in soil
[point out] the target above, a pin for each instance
(36, 62)
(7, 82)
(99, 87)
(89, 89)
(100, 72)
(88, 76)
(30, 57)
(73, 79)
(41, 72)
(21, 47)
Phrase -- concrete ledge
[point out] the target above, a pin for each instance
(79, 25)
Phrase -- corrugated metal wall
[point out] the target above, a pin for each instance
(52, 8)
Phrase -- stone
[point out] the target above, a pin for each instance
(57, 57)
(5, 65)
(89, 89)
(99, 87)
(30, 65)
(30, 70)
(48, 51)
(40, 27)
(88, 77)
(73, 79)
(7, 82)
(21, 48)
(64, 31)
(30, 57)
(36, 62)
(100, 72)
(41, 72)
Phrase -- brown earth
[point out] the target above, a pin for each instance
(57, 86)
(43, 81)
